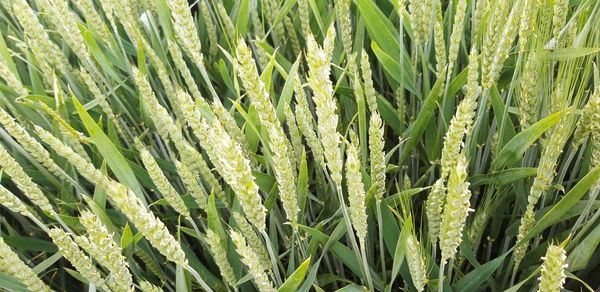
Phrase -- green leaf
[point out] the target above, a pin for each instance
(115, 160)
(302, 187)
(458, 82)
(47, 263)
(264, 181)
(564, 205)
(512, 152)
(352, 288)
(293, 281)
(392, 67)
(100, 193)
(11, 284)
(288, 89)
(392, 230)
(580, 256)
(517, 287)
(281, 59)
(180, 282)
(394, 199)
(502, 177)
(30, 244)
(127, 237)
(342, 252)
(283, 11)
(562, 54)
(267, 72)
(389, 114)
(241, 23)
(214, 220)
(107, 64)
(399, 254)
(6, 56)
(416, 129)
(164, 18)
(473, 280)
(379, 27)
(504, 123)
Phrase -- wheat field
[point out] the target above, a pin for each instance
(299, 145)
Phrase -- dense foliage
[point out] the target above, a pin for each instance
(303, 145)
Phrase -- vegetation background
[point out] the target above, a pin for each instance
(299, 145)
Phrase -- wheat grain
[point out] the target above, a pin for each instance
(30, 144)
(23, 181)
(13, 203)
(416, 262)
(11, 79)
(343, 15)
(149, 225)
(227, 120)
(100, 245)
(434, 208)
(528, 13)
(14, 266)
(62, 17)
(226, 21)
(455, 210)
(46, 52)
(252, 238)
(456, 35)
(252, 262)
(278, 143)
(527, 98)
(502, 48)
(125, 200)
(439, 41)
(481, 9)
(304, 17)
(271, 9)
(319, 71)
(190, 181)
(356, 192)
(168, 129)
(541, 183)
(220, 254)
(305, 124)
(93, 18)
(496, 19)
(289, 27)
(553, 275)
(181, 66)
(76, 257)
(161, 181)
(236, 171)
(559, 17)
(185, 30)
(189, 154)
(163, 76)
(376, 140)
(211, 29)
(595, 127)
(295, 137)
(461, 123)
(149, 287)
